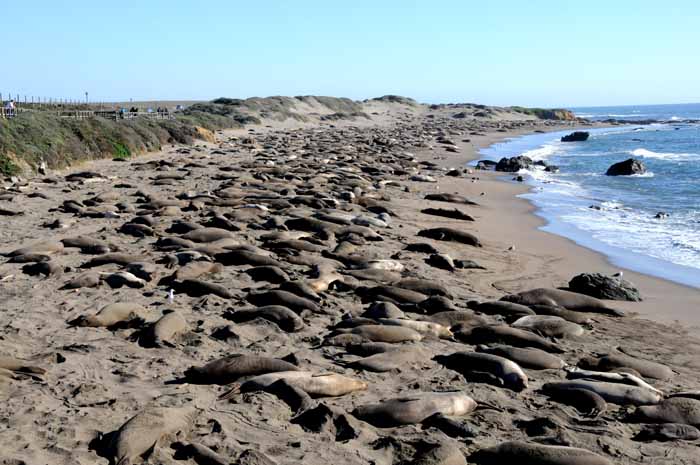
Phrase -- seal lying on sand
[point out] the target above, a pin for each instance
(315, 385)
(614, 361)
(118, 313)
(473, 364)
(530, 453)
(621, 394)
(675, 410)
(415, 408)
(229, 369)
(567, 299)
(450, 234)
(145, 430)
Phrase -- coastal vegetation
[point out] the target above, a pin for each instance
(33, 137)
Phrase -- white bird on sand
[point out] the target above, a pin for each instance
(512, 247)
(618, 274)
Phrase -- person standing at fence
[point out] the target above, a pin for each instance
(10, 105)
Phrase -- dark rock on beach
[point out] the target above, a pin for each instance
(514, 164)
(604, 287)
(578, 136)
(627, 168)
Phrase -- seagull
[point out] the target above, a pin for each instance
(618, 274)
(171, 296)
(512, 247)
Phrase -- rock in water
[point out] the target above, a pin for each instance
(514, 164)
(601, 286)
(578, 136)
(626, 168)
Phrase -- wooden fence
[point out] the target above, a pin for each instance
(6, 113)
(115, 115)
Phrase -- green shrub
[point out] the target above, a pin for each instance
(121, 151)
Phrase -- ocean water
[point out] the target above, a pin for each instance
(615, 215)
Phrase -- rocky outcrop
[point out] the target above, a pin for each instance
(626, 168)
(578, 136)
(514, 164)
(604, 287)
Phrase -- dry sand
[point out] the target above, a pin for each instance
(97, 378)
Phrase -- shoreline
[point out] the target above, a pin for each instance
(519, 224)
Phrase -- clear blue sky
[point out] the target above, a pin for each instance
(537, 53)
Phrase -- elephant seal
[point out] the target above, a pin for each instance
(283, 317)
(614, 393)
(560, 298)
(229, 369)
(393, 294)
(39, 248)
(47, 268)
(87, 279)
(111, 315)
(561, 312)
(145, 430)
(424, 286)
(511, 336)
(208, 235)
(388, 361)
(622, 378)
(531, 453)
(450, 198)
(472, 364)
(196, 269)
(168, 327)
(681, 410)
(534, 359)
(450, 235)
(550, 326)
(284, 298)
(424, 327)
(13, 367)
(198, 288)
(668, 432)
(117, 258)
(315, 385)
(414, 408)
(585, 401)
(384, 333)
(450, 318)
(499, 307)
(614, 361)
(239, 257)
(383, 310)
(269, 273)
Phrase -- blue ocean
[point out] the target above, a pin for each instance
(617, 215)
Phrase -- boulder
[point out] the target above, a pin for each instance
(604, 287)
(626, 168)
(514, 164)
(578, 136)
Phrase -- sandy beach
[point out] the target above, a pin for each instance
(308, 249)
